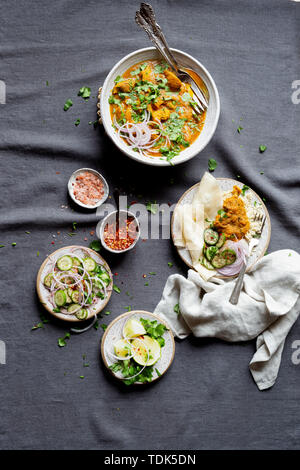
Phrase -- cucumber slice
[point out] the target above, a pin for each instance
(204, 261)
(76, 262)
(48, 280)
(211, 237)
(89, 264)
(65, 263)
(60, 298)
(105, 278)
(74, 308)
(69, 300)
(221, 241)
(82, 314)
(70, 292)
(218, 261)
(211, 252)
(229, 256)
(75, 296)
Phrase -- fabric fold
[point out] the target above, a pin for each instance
(268, 307)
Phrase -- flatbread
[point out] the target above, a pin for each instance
(190, 221)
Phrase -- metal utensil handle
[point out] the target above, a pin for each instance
(148, 14)
(234, 298)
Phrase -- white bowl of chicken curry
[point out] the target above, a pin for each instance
(151, 115)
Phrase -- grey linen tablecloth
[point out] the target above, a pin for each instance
(48, 50)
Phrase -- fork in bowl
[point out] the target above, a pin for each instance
(145, 18)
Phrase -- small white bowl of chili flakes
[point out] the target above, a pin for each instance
(119, 231)
(88, 188)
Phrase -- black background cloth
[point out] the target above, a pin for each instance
(207, 400)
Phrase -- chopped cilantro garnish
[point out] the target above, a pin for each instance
(116, 289)
(244, 189)
(62, 341)
(68, 105)
(222, 214)
(170, 264)
(239, 129)
(103, 326)
(262, 148)
(152, 207)
(95, 245)
(85, 92)
(177, 309)
(38, 325)
(212, 164)
(77, 122)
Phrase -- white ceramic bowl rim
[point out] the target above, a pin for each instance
(187, 154)
(103, 225)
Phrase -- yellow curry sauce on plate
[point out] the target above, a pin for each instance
(233, 221)
(153, 111)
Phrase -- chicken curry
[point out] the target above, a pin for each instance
(153, 111)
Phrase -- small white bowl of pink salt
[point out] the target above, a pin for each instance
(88, 188)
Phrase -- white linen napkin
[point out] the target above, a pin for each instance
(268, 306)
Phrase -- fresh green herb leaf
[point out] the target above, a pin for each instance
(56, 310)
(262, 148)
(13, 244)
(68, 105)
(239, 129)
(170, 264)
(116, 289)
(62, 341)
(152, 207)
(222, 214)
(212, 164)
(77, 122)
(103, 326)
(95, 245)
(85, 92)
(38, 325)
(158, 373)
(177, 309)
(244, 189)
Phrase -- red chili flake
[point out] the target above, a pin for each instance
(58, 233)
(144, 240)
(116, 274)
(134, 202)
(120, 237)
(92, 232)
(144, 275)
(85, 239)
(52, 243)
(58, 172)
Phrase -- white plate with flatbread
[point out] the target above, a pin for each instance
(226, 184)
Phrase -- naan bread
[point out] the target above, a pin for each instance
(210, 195)
(189, 221)
(192, 230)
(177, 226)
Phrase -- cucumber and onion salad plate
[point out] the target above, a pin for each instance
(74, 283)
(137, 347)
